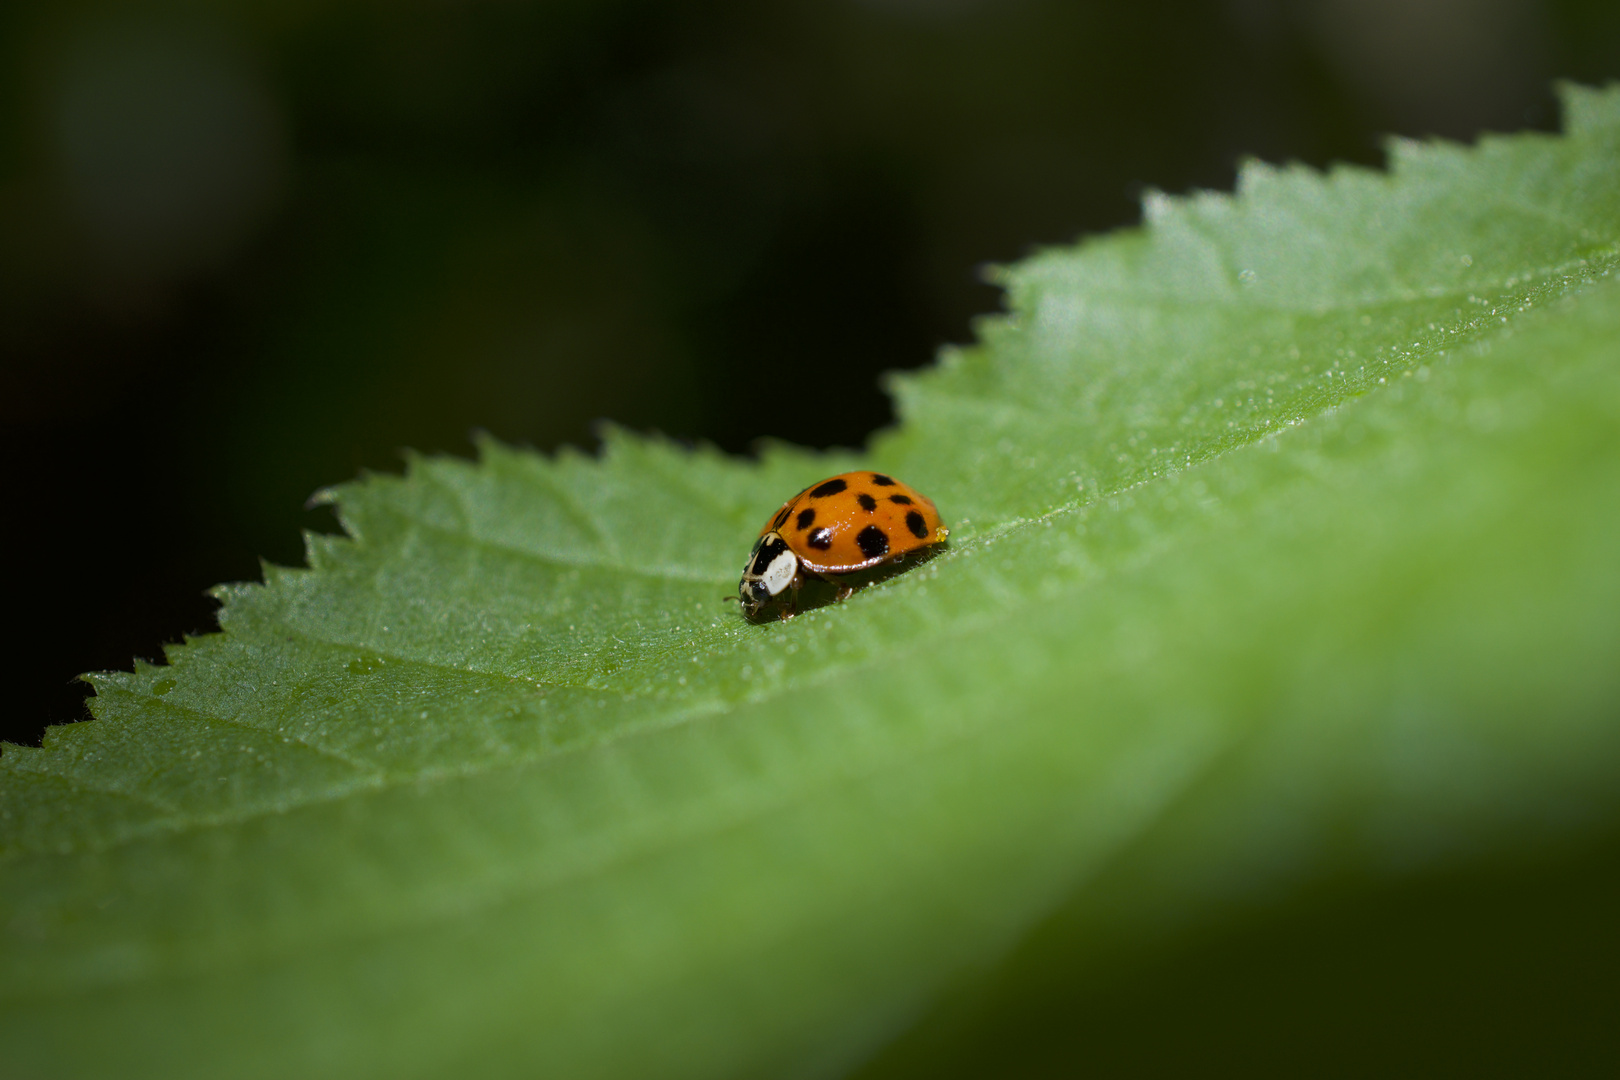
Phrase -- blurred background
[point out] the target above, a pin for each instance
(249, 249)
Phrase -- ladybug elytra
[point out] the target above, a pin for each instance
(848, 523)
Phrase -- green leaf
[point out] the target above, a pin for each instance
(1283, 544)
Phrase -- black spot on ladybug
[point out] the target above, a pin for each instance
(781, 517)
(918, 527)
(831, 487)
(903, 500)
(867, 502)
(805, 518)
(882, 481)
(821, 539)
(872, 541)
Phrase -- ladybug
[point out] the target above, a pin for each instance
(846, 524)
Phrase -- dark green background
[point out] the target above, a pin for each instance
(718, 220)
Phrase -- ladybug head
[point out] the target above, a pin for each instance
(770, 569)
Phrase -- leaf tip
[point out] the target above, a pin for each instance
(1156, 206)
(1588, 108)
(326, 496)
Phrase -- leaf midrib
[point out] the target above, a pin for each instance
(1029, 291)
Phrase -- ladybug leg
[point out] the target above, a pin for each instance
(845, 592)
(791, 608)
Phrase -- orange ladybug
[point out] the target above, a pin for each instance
(851, 522)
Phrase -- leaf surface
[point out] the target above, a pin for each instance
(1283, 533)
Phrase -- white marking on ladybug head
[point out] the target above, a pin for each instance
(771, 568)
(779, 573)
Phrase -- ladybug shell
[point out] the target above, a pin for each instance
(854, 521)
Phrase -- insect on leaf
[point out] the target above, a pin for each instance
(1283, 534)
